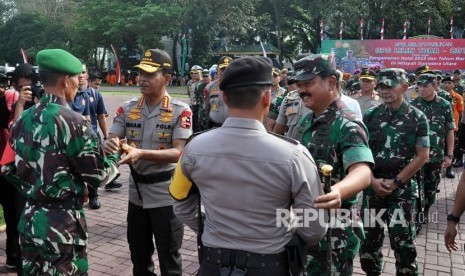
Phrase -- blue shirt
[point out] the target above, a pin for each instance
(96, 106)
(80, 104)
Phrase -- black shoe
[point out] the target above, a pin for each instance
(458, 164)
(113, 185)
(94, 203)
(450, 173)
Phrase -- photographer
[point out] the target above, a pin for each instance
(26, 82)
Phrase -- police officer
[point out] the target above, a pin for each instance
(441, 122)
(412, 91)
(290, 112)
(335, 136)
(399, 140)
(156, 127)
(242, 235)
(367, 97)
(57, 153)
(214, 105)
(196, 73)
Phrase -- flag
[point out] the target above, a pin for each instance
(24, 54)
(361, 28)
(321, 30)
(341, 27)
(184, 54)
(382, 29)
(263, 48)
(405, 30)
(451, 27)
(429, 25)
(117, 65)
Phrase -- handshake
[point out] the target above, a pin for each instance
(116, 145)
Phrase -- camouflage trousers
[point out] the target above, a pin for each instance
(397, 212)
(345, 242)
(203, 119)
(432, 177)
(42, 257)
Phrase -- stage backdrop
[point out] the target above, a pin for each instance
(441, 54)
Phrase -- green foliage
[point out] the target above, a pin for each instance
(83, 26)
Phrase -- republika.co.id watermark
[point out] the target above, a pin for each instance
(343, 217)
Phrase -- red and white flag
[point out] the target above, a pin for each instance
(341, 28)
(405, 30)
(429, 24)
(24, 54)
(117, 65)
(382, 29)
(361, 28)
(321, 30)
(451, 27)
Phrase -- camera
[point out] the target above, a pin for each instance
(37, 91)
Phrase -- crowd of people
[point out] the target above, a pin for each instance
(251, 143)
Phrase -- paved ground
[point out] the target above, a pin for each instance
(109, 254)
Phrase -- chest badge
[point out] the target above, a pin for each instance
(134, 114)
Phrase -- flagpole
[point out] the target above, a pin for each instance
(340, 30)
(382, 29)
(117, 65)
(451, 27)
(361, 28)
(321, 30)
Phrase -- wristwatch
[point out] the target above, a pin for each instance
(453, 218)
(399, 182)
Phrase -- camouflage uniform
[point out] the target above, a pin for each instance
(290, 112)
(56, 153)
(338, 138)
(394, 134)
(440, 121)
(203, 119)
(277, 97)
(445, 95)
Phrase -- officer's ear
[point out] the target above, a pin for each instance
(167, 77)
(266, 97)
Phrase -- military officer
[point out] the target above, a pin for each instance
(335, 136)
(367, 97)
(399, 140)
(202, 116)
(277, 96)
(214, 105)
(412, 91)
(441, 123)
(156, 127)
(290, 112)
(241, 233)
(56, 154)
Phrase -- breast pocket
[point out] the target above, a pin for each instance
(162, 137)
(134, 135)
(214, 103)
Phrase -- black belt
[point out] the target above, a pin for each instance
(243, 259)
(215, 124)
(75, 203)
(151, 178)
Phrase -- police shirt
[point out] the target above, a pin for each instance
(244, 175)
(214, 104)
(171, 119)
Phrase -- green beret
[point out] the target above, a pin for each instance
(58, 60)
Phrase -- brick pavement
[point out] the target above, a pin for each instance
(109, 254)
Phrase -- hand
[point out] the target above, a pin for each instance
(112, 145)
(382, 187)
(25, 95)
(447, 162)
(449, 236)
(132, 155)
(331, 200)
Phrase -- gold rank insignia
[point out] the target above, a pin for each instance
(291, 110)
(165, 102)
(214, 107)
(161, 146)
(164, 135)
(134, 114)
(167, 114)
(166, 119)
